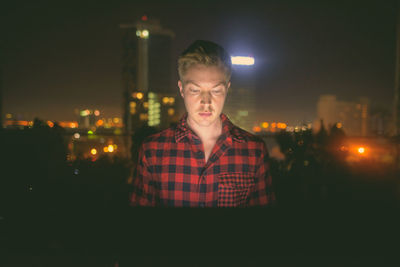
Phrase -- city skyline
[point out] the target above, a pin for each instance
(59, 57)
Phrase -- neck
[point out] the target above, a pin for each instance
(205, 133)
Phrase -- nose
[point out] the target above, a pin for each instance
(206, 98)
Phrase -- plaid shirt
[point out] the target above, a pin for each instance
(172, 170)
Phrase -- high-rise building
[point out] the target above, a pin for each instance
(353, 117)
(381, 121)
(396, 97)
(147, 72)
(1, 98)
(240, 104)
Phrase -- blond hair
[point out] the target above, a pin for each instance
(205, 53)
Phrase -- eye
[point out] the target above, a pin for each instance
(194, 91)
(217, 91)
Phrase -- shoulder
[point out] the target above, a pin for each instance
(254, 145)
(163, 137)
(241, 134)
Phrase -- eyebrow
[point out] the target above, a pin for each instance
(192, 82)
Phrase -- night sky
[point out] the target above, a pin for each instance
(60, 55)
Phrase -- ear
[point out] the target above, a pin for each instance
(228, 86)
(180, 85)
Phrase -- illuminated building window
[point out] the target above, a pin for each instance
(142, 34)
(154, 110)
(171, 111)
(143, 116)
(139, 95)
(132, 106)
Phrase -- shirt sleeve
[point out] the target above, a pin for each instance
(144, 189)
(262, 193)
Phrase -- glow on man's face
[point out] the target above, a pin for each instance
(204, 89)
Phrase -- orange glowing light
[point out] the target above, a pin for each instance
(51, 124)
(256, 129)
(171, 111)
(17, 123)
(273, 125)
(100, 123)
(281, 125)
(105, 149)
(361, 150)
(264, 125)
(93, 151)
(339, 125)
(139, 95)
(97, 113)
(68, 124)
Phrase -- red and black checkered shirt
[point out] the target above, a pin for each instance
(172, 171)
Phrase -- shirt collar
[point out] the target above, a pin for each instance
(228, 129)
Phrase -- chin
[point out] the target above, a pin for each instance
(207, 121)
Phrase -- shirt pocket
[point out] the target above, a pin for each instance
(234, 189)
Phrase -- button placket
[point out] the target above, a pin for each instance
(202, 187)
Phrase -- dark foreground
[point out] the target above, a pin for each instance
(54, 213)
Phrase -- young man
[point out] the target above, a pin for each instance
(205, 161)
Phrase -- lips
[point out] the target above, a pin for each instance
(205, 114)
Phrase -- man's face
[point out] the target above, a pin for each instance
(204, 90)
